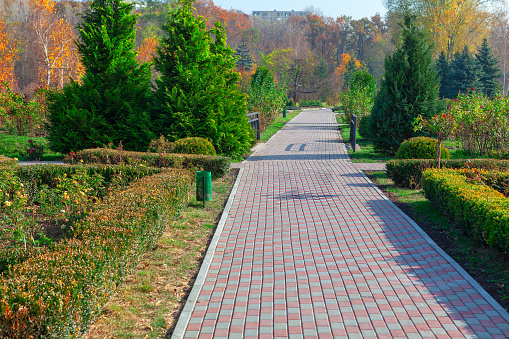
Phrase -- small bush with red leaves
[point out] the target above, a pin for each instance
(59, 292)
(469, 200)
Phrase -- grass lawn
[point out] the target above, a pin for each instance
(279, 123)
(367, 152)
(14, 146)
(489, 267)
(149, 301)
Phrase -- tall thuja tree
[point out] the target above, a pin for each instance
(489, 71)
(409, 89)
(465, 74)
(197, 94)
(109, 105)
(443, 67)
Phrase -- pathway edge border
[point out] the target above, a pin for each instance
(185, 316)
(493, 303)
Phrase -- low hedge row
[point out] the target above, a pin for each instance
(46, 174)
(481, 209)
(58, 293)
(408, 173)
(497, 180)
(217, 165)
(29, 180)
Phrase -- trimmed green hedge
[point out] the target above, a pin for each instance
(311, 103)
(7, 163)
(420, 148)
(30, 179)
(218, 165)
(46, 174)
(408, 173)
(58, 293)
(194, 145)
(481, 209)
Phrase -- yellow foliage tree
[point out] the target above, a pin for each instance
(452, 24)
(55, 39)
(345, 58)
(455, 24)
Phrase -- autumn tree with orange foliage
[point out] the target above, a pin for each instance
(54, 39)
(147, 49)
(8, 55)
(234, 23)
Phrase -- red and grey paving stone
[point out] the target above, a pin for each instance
(309, 248)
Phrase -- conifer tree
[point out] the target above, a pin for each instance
(409, 89)
(110, 103)
(465, 74)
(443, 70)
(245, 60)
(490, 73)
(197, 94)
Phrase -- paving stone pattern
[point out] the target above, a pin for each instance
(310, 249)
(365, 166)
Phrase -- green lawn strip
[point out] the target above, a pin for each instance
(488, 266)
(279, 123)
(14, 146)
(367, 152)
(148, 303)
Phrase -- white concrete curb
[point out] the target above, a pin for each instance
(185, 316)
(493, 303)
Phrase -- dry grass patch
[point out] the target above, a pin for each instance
(148, 303)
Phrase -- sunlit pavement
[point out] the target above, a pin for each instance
(310, 248)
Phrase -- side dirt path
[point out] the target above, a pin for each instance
(448, 244)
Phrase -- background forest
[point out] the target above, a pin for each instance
(310, 54)
(302, 60)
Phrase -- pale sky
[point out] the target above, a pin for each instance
(357, 9)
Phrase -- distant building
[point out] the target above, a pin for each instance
(278, 15)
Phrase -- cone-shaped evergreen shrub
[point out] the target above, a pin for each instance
(197, 94)
(490, 72)
(443, 67)
(465, 74)
(110, 103)
(409, 89)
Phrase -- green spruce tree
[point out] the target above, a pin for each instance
(465, 74)
(409, 89)
(490, 73)
(110, 103)
(197, 94)
(443, 69)
(245, 61)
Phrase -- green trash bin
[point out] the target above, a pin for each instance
(203, 185)
(284, 113)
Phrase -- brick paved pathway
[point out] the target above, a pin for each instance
(310, 248)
